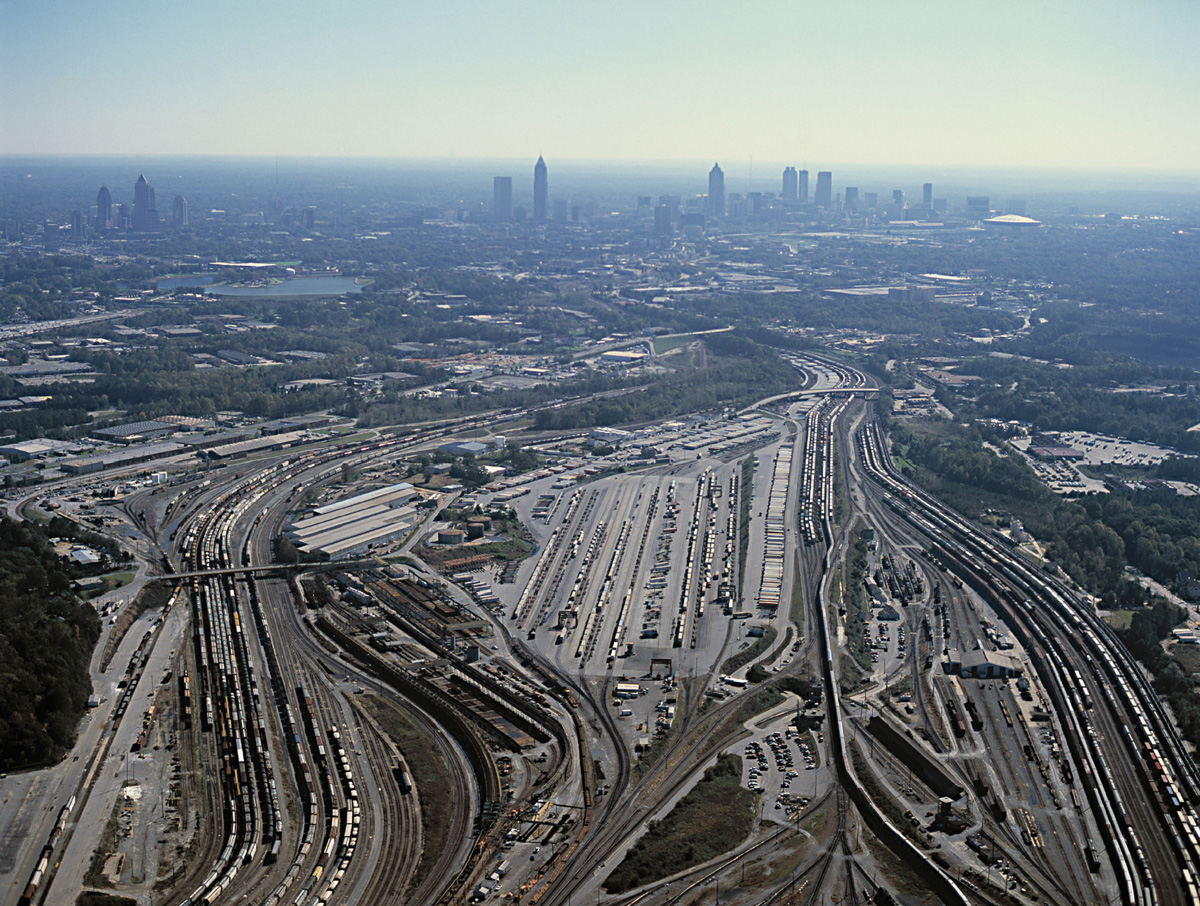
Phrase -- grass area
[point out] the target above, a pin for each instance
(854, 603)
(840, 508)
(112, 582)
(764, 697)
(36, 514)
(1119, 619)
(1188, 657)
(430, 777)
(883, 800)
(797, 612)
(666, 344)
(746, 487)
(746, 655)
(712, 819)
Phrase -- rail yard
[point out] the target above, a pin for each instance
(909, 698)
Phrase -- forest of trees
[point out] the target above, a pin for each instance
(46, 639)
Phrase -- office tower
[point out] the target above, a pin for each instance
(927, 196)
(1015, 206)
(790, 184)
(540, 188)
(662, 220)
(145, 214)
(824, 194)
(736, 206)
(674, 202)
(77, 227)
(802, 187)
(871, 200)
(716, 191)
(898, 204)
(179, 212)
(310, 218)
(978, 207)
(851, 203)
(121, 217)
(502, 198)
(104, 218)
(939, 206)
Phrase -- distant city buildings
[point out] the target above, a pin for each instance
(791, 184)
(978, 207)
(662, 220)
(145, 213)
(104, 214)
(502, 203)
(824, 193)
(663, 216)
(540, 189)
(716, 191)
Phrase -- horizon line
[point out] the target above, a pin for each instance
(449, 159)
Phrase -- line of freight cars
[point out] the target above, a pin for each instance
(208, 545)
(42, 869)
(1177, 820)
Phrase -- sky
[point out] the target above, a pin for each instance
(1050, 83)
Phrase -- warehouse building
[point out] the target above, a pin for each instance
(351, 527)
(130, 456)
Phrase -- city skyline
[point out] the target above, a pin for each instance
(1023, 85)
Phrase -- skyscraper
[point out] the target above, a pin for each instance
(927, 196)
(145, 214)
(662, 220)
(790, 184)
(824, 195)
(104, 218)
(978, 207)
(850, 203)
(716, 191)
(898, 204)
(179, 214)
(540, 187)
(802, 187)
(502, 198)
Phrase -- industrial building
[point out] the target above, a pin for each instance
(127, 457)
(255, 445)
(350, 527)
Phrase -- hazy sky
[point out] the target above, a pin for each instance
(1055, 83)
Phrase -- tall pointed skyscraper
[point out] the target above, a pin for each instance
(104, 219)
(145, 214)
(540, 189)
(716, 191)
